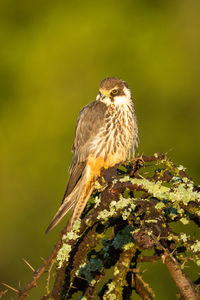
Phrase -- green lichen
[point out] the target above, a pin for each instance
(108, 294)
(124, 237)
(97, 185)
(97, 201)
(196, 246)
(160, 205)
(116, 271)
(125, 204)
(183, 192)
(198, 262)
(63, 253)
(89, 267)
(184, 220)
(93, 282)
(151, 221)
(128, 246)
(184, 237)
(181, 168)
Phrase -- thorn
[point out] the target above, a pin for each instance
(83, 278)
(10, 287)
(27, 263)
(170, 150)
(3, 293)
(145, 270)
(163, 257)
(73, 287)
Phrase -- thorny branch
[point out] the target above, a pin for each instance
(38, 273)
(138, 200)
(182, 281)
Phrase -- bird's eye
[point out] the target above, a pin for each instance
(114, 92)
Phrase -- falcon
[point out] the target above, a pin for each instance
(106, 134)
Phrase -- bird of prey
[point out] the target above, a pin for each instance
(106, 134)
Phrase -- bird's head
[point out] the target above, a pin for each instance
(114, 90)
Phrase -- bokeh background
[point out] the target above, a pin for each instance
(53, 55)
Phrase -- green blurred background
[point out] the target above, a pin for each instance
(53, 56)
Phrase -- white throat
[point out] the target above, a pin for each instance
(125, 99)
(120, 100)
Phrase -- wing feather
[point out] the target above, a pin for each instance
(90, 121)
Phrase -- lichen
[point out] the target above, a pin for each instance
(108, 294)
(89, 267)
(184, 237)
(159, 205)
(184, 220)
(124, 237)
(196, 246)
(63, 253)
(93, 282)
(181, 168)
(134, 209)
(125, 204)
(198, 262)
(182, 192)
(151, 221)
(97, 201)
(128, 246)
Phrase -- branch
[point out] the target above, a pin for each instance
(38, 273)
(131, 209)
(182, 281)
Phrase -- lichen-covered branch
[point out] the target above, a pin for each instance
(137, 202)
(133, 208)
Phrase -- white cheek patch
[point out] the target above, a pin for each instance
(127, 92)
(122, 100)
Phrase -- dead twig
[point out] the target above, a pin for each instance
(49, 275)
(10, 287)
(38, 273)
(3, 293)
(28, 264)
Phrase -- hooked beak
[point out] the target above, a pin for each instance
(104, 94)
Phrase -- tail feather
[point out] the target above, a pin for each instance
(79, 195)
(68, 203)
(80, 205)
